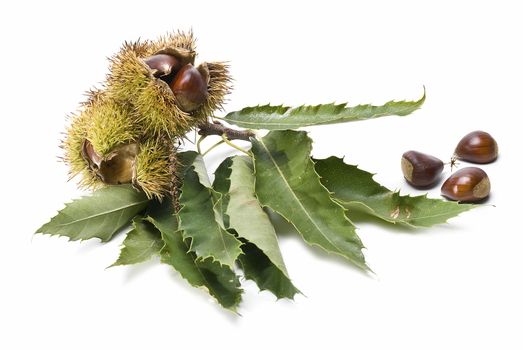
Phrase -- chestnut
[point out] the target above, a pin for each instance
(420, 169)
(467, 185)
(190, 88)
(477, 147)
(162, 64)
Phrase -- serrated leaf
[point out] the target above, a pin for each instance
(186, 160)
(219, 280)
(262, 260)
(100, 214)
(257, 266)
(247, 217)
(221, 185)
(284, 118)
(287, 183)
(201, 218)
(141, 243)
(356, 190)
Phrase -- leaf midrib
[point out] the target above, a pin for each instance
(297, 199)
(400, 220)
(103, 213)
(336, 117)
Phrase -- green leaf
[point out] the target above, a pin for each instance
(287, 183)
(141, 243)
(100, 215)
(221, 184)
(219, 280)
(283, 118)
(201, 218)
(186, 159)
(262, 261)
(357, 191)
(257, 266)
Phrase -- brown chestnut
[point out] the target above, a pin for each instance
(467, 185)
(162, 64)
(420, 169)
(477, 147)
(190, 88)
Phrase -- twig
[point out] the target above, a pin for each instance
(199, 143)
(218, 129)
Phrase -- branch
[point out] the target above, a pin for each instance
(217, 128)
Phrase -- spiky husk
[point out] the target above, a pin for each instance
(154, 104)
(106, 124)
(159, 113)
(219, 86)
(72, 145)
(134, 107)
(111, 124)
(128, 73)
(153, 168)
(180, 40)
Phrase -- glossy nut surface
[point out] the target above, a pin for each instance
(477, 147)
(162, 64)
(420, 169)
(467, 185)
(190, 88)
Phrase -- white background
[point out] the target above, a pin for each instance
(457, 286)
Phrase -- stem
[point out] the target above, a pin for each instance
(227, 141)
(218, 129)
(198, 143)
(213, 147)
(453, 163)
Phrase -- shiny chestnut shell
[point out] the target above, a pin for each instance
(420, 169)
(190, 88)
(477, 147)
(163, 64)
(467, 185)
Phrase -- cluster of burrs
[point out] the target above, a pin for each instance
(128, 130)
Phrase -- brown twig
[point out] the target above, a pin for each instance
(217, 128)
